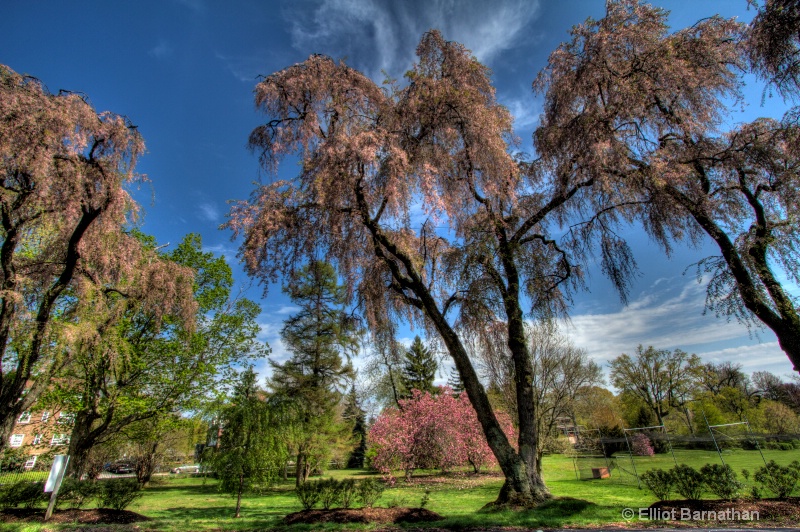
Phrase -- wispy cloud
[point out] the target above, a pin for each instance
(525, 109)
(381, 35)
(247, 68)
(161, 50)
(671, 318)
(208, 212)
(227, 251)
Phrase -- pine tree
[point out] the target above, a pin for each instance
(419, 368)
(354, 414)
(312, 379)
(454, 381)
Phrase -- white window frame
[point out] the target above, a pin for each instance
(25, 417)
(66, 417)
(59, 439)
(37, 439)
(16, 440)
(45, 416)
(31, 462)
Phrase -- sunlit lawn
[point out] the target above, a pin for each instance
(192, 503)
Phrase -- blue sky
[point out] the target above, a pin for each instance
(184, 72)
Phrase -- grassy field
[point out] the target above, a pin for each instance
(192, 503)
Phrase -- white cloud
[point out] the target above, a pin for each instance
(226, 251)
(672, 318)
(287, 309)
(381, 35)
(524, 109)
(208, 212)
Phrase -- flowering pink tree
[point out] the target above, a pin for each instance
(641, 445)
(431, 431)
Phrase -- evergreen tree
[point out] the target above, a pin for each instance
(312, 379)
(250, 452)
(354, 414)
(454, 381)
(419, 368)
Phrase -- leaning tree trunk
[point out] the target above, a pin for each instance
(522, 486)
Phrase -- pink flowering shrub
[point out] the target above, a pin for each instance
(641, 445)
(431, 431)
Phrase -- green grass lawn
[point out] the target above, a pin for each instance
(192, 503)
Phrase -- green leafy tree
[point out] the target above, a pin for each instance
(145, 362)
(312, 379)
(250, 453)
(660, 379)
(419, 368)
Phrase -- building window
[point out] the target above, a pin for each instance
(66, 417)
(24, 418)
(37, 439)
(45, 416)
(59, 439)
(31, 462)
(16, 440)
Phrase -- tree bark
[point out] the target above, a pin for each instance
(239, 496)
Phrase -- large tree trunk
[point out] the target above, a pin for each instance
(80, 444)
(146, 464)
(523, 485)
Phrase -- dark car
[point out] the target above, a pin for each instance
(121, 468)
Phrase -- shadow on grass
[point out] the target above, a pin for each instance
(561, 507)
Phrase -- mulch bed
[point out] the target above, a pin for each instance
(105, 516)
(363, 515)
(770, 512)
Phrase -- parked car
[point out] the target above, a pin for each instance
(186, 469)
(121, 468)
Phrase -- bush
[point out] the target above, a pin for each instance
(688, 481)
(369, 491)
(308, 493)
(329, 493)
(76, 493)
(721, 480)
(658, 481)
(780, 480)
(118, 494)
(27, 494)
(348, 492)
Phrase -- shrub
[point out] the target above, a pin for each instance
(329, 492)
(348, 492)
(369, 491)
(688, 481)
(27, 494)
(118, 494)
(780, 480)
(658, 481)
(641, 445)
(721, 480)
(76, 493)
(308, 493)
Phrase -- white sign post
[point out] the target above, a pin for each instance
(54, 479)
